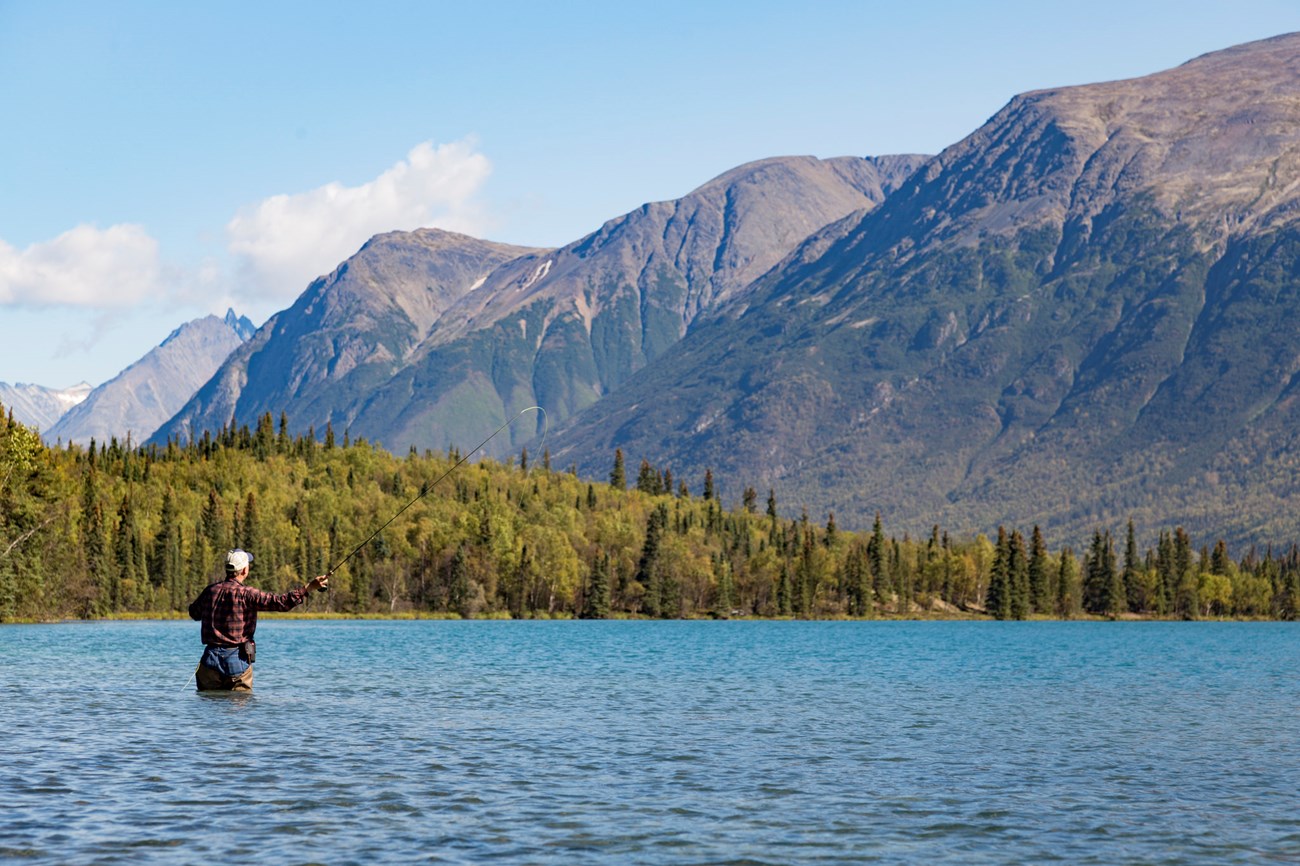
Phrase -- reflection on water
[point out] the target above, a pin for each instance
(635, 742)
(238, 700)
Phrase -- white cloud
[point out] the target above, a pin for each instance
(84, 267)
(284, 242)
(277, 246)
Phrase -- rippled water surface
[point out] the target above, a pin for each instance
(656, 742)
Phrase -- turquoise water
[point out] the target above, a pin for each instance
(656, 742)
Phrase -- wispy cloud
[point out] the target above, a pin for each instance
(84, 267)
(285, 241)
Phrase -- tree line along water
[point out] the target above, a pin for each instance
(111, 529)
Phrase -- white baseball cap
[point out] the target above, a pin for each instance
(238, 560)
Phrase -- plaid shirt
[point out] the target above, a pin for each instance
(228, 610)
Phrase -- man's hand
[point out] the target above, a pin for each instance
(319, 583)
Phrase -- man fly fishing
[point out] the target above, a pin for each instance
(228, 610)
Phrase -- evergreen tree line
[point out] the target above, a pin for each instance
(110, 529)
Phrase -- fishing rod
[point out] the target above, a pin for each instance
(426, 487)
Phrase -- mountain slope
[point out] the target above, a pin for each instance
(144, 395)
(1084, 311)
(564, 329)
(38, 406)
(557, 328)
(345, 335)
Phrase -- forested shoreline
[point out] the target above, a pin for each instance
(115, 530)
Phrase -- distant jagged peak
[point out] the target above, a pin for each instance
(39, 406)
(241, 325)
(83, 387)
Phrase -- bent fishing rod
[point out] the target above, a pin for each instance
(426, 487)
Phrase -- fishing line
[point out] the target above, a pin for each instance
(426, 487)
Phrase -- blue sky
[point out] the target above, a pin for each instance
(161, 160)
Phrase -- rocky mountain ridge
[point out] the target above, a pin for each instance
(348, 333)
(513, 327)
(39, 406)
(132, 404)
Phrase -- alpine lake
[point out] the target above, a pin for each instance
(637, 742)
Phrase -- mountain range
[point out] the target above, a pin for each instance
(40, 406)
(132, 404)
(428, 338)
(1084, 312)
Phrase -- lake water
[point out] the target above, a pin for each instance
(656, 742)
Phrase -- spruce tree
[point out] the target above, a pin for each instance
(1117, 593)
(1187, 590)
(1165, 569)
(597, 599)
(1220, 563)
(213, 524)
(1134, 590)
(282, 436)
(1040, 599)
(127, 553)
(166, 567)
(94, 539)
(805, 589)
(784, 593)
(997, 599)
(647, 570)
(1103, 583)
(1096, 578)
(617, 475)
(1067, 585)
(264, 439)
(1018, 576)
(648, 481)
(857, 578)
(876, 558)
